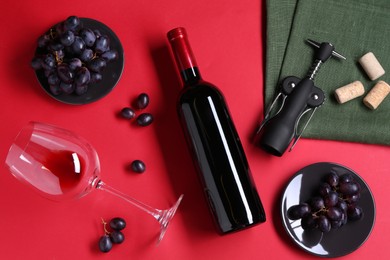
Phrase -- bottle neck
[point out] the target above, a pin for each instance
(185, 59)
(190, 76)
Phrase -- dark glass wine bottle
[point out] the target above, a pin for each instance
(215, 145)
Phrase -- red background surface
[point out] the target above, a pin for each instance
(227, 38)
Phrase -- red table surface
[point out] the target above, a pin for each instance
(227, 38)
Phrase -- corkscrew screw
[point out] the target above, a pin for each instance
(296, 98)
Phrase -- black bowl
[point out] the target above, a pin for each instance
(111, 73)
(337, 242)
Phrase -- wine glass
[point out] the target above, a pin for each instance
(60, 165)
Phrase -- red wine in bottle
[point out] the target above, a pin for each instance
(215, 145)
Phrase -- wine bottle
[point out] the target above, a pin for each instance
(215, 146)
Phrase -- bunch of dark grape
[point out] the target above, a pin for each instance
(335, 204)
(72, 56)
(112, 237)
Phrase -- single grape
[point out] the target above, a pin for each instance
(53, 79)
(298, 211)
(110, 55)
(353, 199)
(332, 179)
(86, 55)
(138, 166)
(65, 73)
(72, 23)
(117, 223)
(145, 119)
(336, 224)
(67, 88)
(78, 45)
(117, 237)
(97, 65)
(347, 177)
(349, 188)
(105, 244)
(97, 33)
(334, 213)
(323, 224)
(339, 223)
(308, 222)
(74, 63)
(49, 62)
(355, 213)
(102, 44)
(127, 113)
(67, 38)
(331, 199)
(317, 203)
(81, 89)
(88, 36)
(55, 89)
(142, 101)
(96, 77)
(83, 76)
(358, 185)
(324, 189)
(342, 205)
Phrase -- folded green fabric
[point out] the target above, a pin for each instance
(354, 27)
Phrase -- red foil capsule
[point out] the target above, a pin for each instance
(181, 49)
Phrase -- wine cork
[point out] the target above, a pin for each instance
(376, 95)
(349, 92)
(371, 66)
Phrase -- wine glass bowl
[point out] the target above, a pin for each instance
(61, 165)
(58, 164)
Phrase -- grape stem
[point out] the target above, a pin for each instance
(104, 227)
(52, 33)
(315, 214)
(58, 59)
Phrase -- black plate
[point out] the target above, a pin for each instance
(337, 242)
(111, 73)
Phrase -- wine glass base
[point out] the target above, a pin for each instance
(166, 217)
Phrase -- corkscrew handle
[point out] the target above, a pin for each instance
(325, 50)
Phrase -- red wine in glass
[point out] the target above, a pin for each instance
(67, 166)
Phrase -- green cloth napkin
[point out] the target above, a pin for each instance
(354, 27)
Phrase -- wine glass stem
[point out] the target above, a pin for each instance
(156, 213)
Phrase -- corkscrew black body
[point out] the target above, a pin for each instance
(296, 98)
